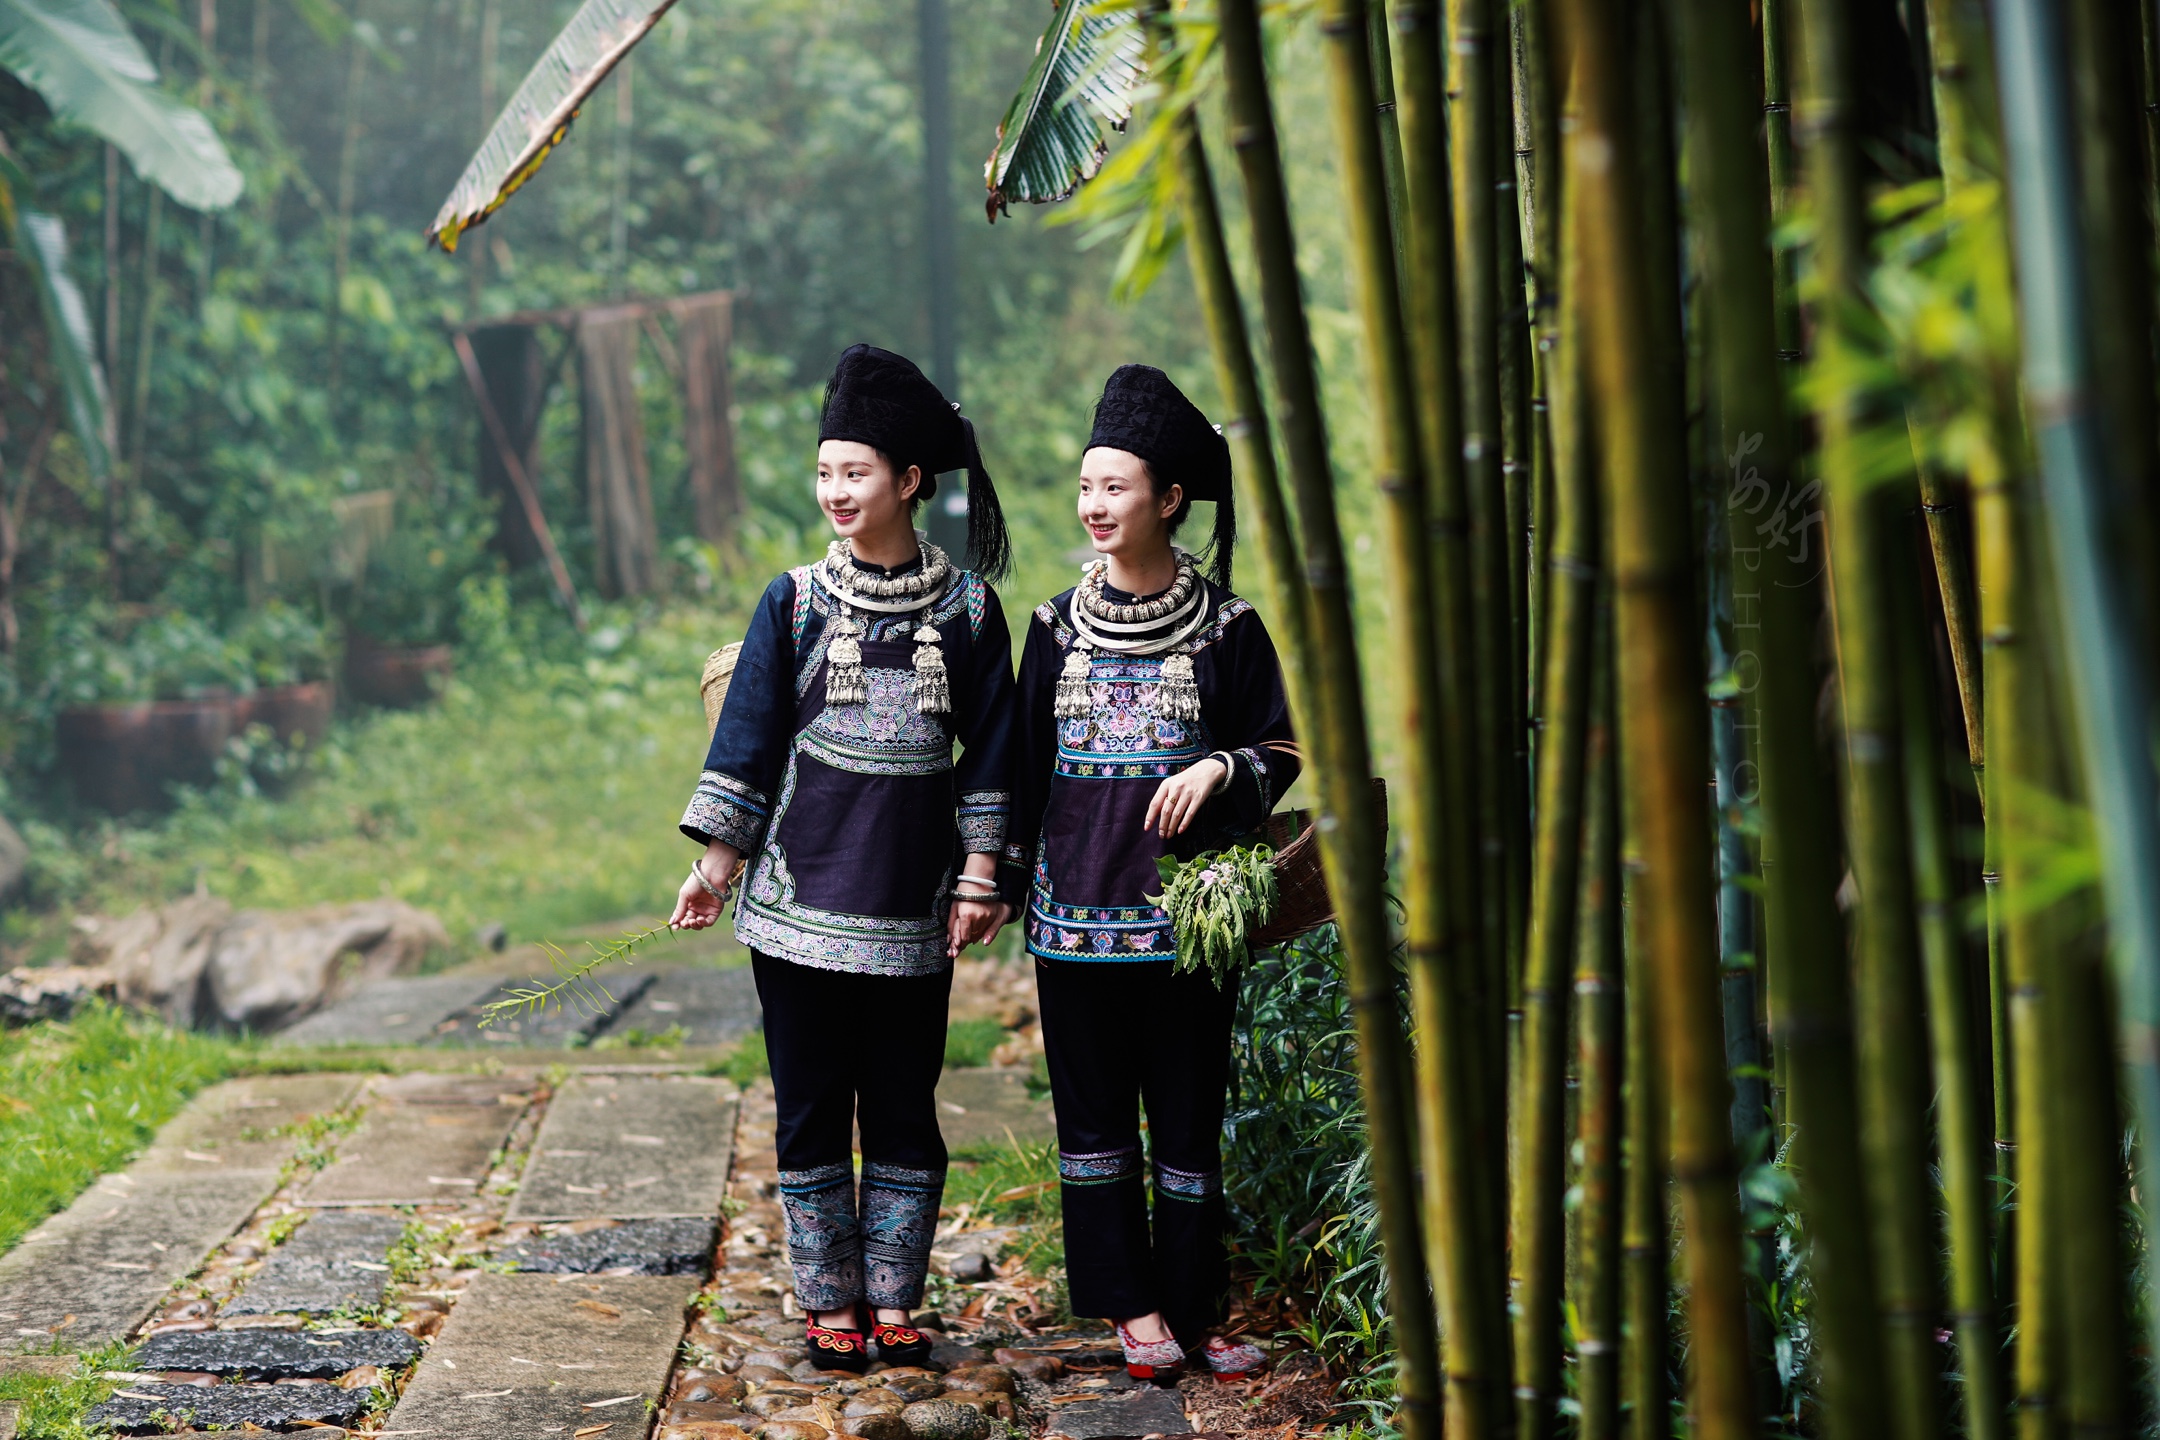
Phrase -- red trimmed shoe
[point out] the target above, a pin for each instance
(900, 1344)
(1158, 1360)
(1232, 1359)
(837, 1349)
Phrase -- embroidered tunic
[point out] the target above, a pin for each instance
(854, 819)
(1086, 783)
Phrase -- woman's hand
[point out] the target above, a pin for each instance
(1178, 799)
(973, 922)
(975, 916)
(695, 906)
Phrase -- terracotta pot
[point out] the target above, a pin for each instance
(400, 677)
(124, 757)
(291, 711)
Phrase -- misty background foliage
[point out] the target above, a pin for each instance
(273, 360)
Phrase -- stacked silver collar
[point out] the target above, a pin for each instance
(1145, 627)
(887, 594)
(846, 682)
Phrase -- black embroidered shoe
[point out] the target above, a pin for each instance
(838, 1349)
(900, 1344)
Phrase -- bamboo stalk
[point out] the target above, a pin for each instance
(1536, 125)
(1511, 319)
(1540, 1125)
(1475, 1299)
(1665, 739)
(1783, 167)
(1475, 1365)
(1471, 149)
(1350, 845)
(1600, 1058)
(2016, 778)
(1961, 1111)
(1776, 599)
(2103, 84)
(1888, 1008)
(1429, 293)
(1645, 1221)
(2108, 669)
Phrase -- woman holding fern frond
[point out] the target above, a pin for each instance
(1152, 724)
(871, 854)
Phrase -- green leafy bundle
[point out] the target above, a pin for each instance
(1214, 902)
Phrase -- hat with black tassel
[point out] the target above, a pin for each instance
(1143, 413)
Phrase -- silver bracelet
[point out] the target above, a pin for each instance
(1229, 765)
(990, 894)
(697, 872)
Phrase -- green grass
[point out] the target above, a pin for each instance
(1014, 1185)
(53, 1406)
(77, 1099)
(968, 1043)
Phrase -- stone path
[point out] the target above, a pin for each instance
(630, 1147)
(565, 1025)
(335, 1262)
(594, 1254)
(425, 1137)
(711, 1007)
(533, 1355)
(89, 1275)
(400, 1011)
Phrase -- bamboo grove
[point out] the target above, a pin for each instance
(1767, 478)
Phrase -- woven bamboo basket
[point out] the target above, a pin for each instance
(712, 688)
(719, 669)
(1302, 903)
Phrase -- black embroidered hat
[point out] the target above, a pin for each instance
(1143, 413)
(883, 400)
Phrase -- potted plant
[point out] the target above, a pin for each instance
(141, 716)
(403, 618)
(287, 653)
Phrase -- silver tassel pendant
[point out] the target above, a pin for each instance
(1179, 697)
(933, 684)
(1073, 700)
(845, 682)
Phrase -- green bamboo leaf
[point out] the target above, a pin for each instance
(538, 116)
(1087, 66)
(42, 242)
(82, 58)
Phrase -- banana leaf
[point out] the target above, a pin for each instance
(81, 56)
(41, 240)
(1087, 66)
(539, 114)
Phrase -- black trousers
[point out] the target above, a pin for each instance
(1121, 1035)
(851, 1050)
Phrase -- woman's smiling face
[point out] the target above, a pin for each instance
(1118, 504)
(857, 490)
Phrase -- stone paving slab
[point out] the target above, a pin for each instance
(400, 1011)
(531, 1356)
(991, 1107)
(1147, 1411)
(642, 1247)
(10, 1414)
(134, 1408)
(425, 1138)
(564, 1026)
(234, 1124)
(92, 1273)
(276, 1354)
(333, 1262)
(630, 1147)
(713, 1007)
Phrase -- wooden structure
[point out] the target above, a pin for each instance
(512, 373)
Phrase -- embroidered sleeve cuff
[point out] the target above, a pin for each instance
(727, 810)
(1256, 764)
(984, 815)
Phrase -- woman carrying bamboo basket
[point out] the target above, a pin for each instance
(1152, 723)
(871, 854)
